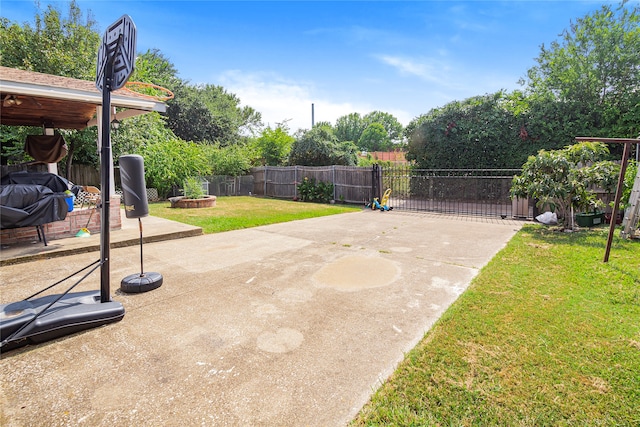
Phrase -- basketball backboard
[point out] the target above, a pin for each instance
(119, 46)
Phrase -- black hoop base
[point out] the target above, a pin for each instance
(136, 283)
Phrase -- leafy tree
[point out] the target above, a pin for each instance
(565, 178)
(413, 126)
(208, 113)
(12, 141)
(232, 160)
(374, 138)
(595, 69)
(391, 125)
(545, 122)
(349, 127)
(136, 133)
(368, 161)
(320, 147)
(53, 44)
(153, 67)
(82, 146)
(170, 162)
(322, 124)
(274, 145)
(480, 132)
(352, 127)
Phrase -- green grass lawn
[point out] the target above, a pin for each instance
(232, 213)
(547, 334)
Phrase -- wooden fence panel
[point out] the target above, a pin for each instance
(79, 174)
(84, 175)
(351, 184)
(6, 169)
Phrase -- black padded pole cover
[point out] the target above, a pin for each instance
(133, 186)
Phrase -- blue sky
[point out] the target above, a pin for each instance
(404, 58)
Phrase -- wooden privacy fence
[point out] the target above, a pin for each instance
(351, 184)
(84, 175)
(78, 174)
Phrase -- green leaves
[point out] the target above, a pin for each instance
(274, 145)
(208, 113)
(567, 177)
(376, 131)
(310, 191)
(479, 132)
(320, 147)
(153, 67)
(596, 65)
(170, 162)
(233, 160)
(53, 44)
(374, 138)
(193, 188)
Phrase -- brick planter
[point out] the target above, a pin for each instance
(181, 202)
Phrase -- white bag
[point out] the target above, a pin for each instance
(547, 218)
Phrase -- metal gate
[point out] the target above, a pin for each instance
(481, 192)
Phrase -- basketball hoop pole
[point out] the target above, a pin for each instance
(105, 178)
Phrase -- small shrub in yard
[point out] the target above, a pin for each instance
(310, 191)
(193, 188)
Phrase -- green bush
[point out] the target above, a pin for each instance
(320, 147)
(171, 162)
(310, 191)
(567, 178)
(193, 188)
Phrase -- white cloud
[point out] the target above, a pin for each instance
(430, 70)
(279, 99)
(449, 80)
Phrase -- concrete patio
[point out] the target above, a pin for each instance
(289, 324)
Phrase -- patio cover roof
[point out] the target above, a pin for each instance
(62, 102)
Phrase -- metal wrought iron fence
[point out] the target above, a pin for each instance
(483, 192)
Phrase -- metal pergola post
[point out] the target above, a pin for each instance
(623, 168)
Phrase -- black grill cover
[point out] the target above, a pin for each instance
(56, 183)
(23, 205)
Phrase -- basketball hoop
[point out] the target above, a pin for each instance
(118, 49)
(159, 93)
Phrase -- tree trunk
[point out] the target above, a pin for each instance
(69, 161)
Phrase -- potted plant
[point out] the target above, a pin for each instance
(587, 208)
(590, 207)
